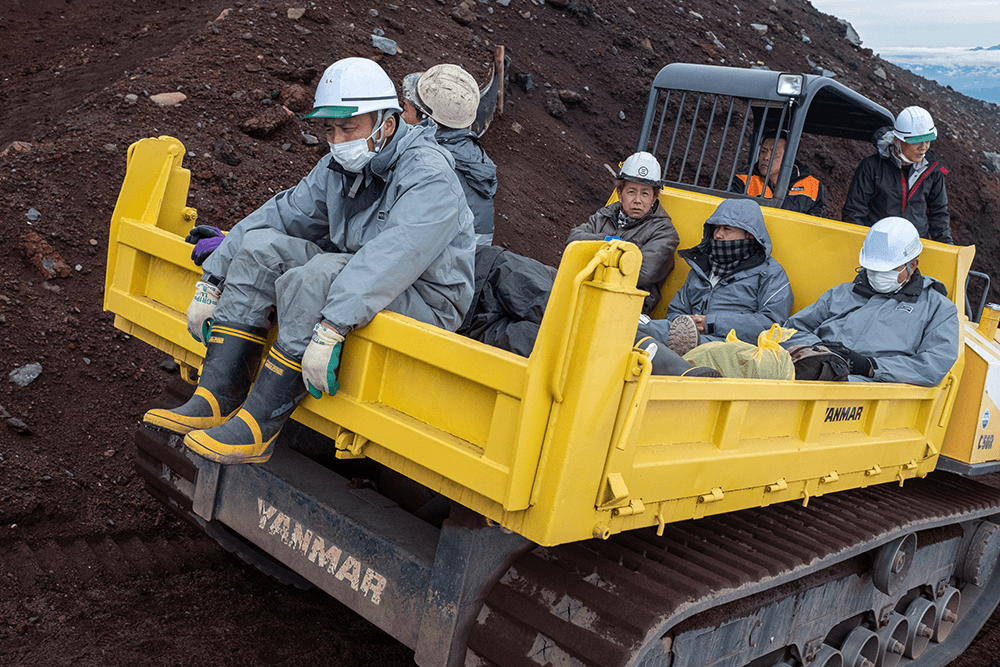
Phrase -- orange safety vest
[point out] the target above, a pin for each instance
(807, 186)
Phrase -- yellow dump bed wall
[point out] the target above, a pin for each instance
(579, 439)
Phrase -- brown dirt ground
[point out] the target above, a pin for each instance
(92, 570)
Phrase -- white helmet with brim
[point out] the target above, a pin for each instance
(891, 242)
(641, 167)
(914, 125)
(352, 87)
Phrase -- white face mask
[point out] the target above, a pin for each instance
(354, 155)
(885, 282)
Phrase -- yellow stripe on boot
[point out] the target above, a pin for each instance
(231, 361)
(177, 422)
(205, 445)
(229, 330)
(249, 436)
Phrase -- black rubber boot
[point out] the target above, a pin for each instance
(701, 372)
(249, 436)
(231, 360)
(668, 362)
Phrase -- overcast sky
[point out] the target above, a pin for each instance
(927, 23)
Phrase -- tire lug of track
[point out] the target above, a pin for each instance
(653, 582)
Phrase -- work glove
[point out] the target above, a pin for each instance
(320, 362)
(199, 313)
(205, 239)
(857, 363)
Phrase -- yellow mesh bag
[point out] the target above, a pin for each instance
(766, 360)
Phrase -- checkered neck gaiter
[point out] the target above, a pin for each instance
(726, 256)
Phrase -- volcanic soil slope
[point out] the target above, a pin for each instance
(92, 570)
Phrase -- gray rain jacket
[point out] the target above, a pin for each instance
(749, 300)
(912, 335)
(654, 234)
(477, 174)
(408, 225)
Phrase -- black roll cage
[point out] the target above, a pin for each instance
(822, 107)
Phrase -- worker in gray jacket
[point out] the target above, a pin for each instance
(733, 284)
(637, 217)
(449, 96)
(379, 224)
(891, 323)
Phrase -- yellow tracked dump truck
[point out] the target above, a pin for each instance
(597, 514)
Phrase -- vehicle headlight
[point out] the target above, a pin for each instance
(790, 85)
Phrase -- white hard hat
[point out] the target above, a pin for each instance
(641, 167)
(352, 87)
(891, 242)
(446, 93)
(914, 125)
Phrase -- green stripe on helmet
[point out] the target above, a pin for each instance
(331, 112)
(930, 136)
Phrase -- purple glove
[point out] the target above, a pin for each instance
(205, 239)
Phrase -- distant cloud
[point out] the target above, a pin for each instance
(923, 22)
(933, 38)
(945, 56)
(975, 73)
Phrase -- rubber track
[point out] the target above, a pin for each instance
(598, 602)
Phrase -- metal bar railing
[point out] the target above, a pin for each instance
(663, 117)
(780, 194)
(687, 147)
(722, 144)
(708, 135)
(673, 137)
(743, 131)
(977, 314)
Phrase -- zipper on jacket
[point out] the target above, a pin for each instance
(909, 193)
(906, 193)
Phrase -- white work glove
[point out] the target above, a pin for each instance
(320, 362)
(199, 313)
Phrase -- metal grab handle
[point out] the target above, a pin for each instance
(645, 372)
(951, 393)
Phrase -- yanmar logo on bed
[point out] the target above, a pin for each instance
(843, 414)
(323, 552)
